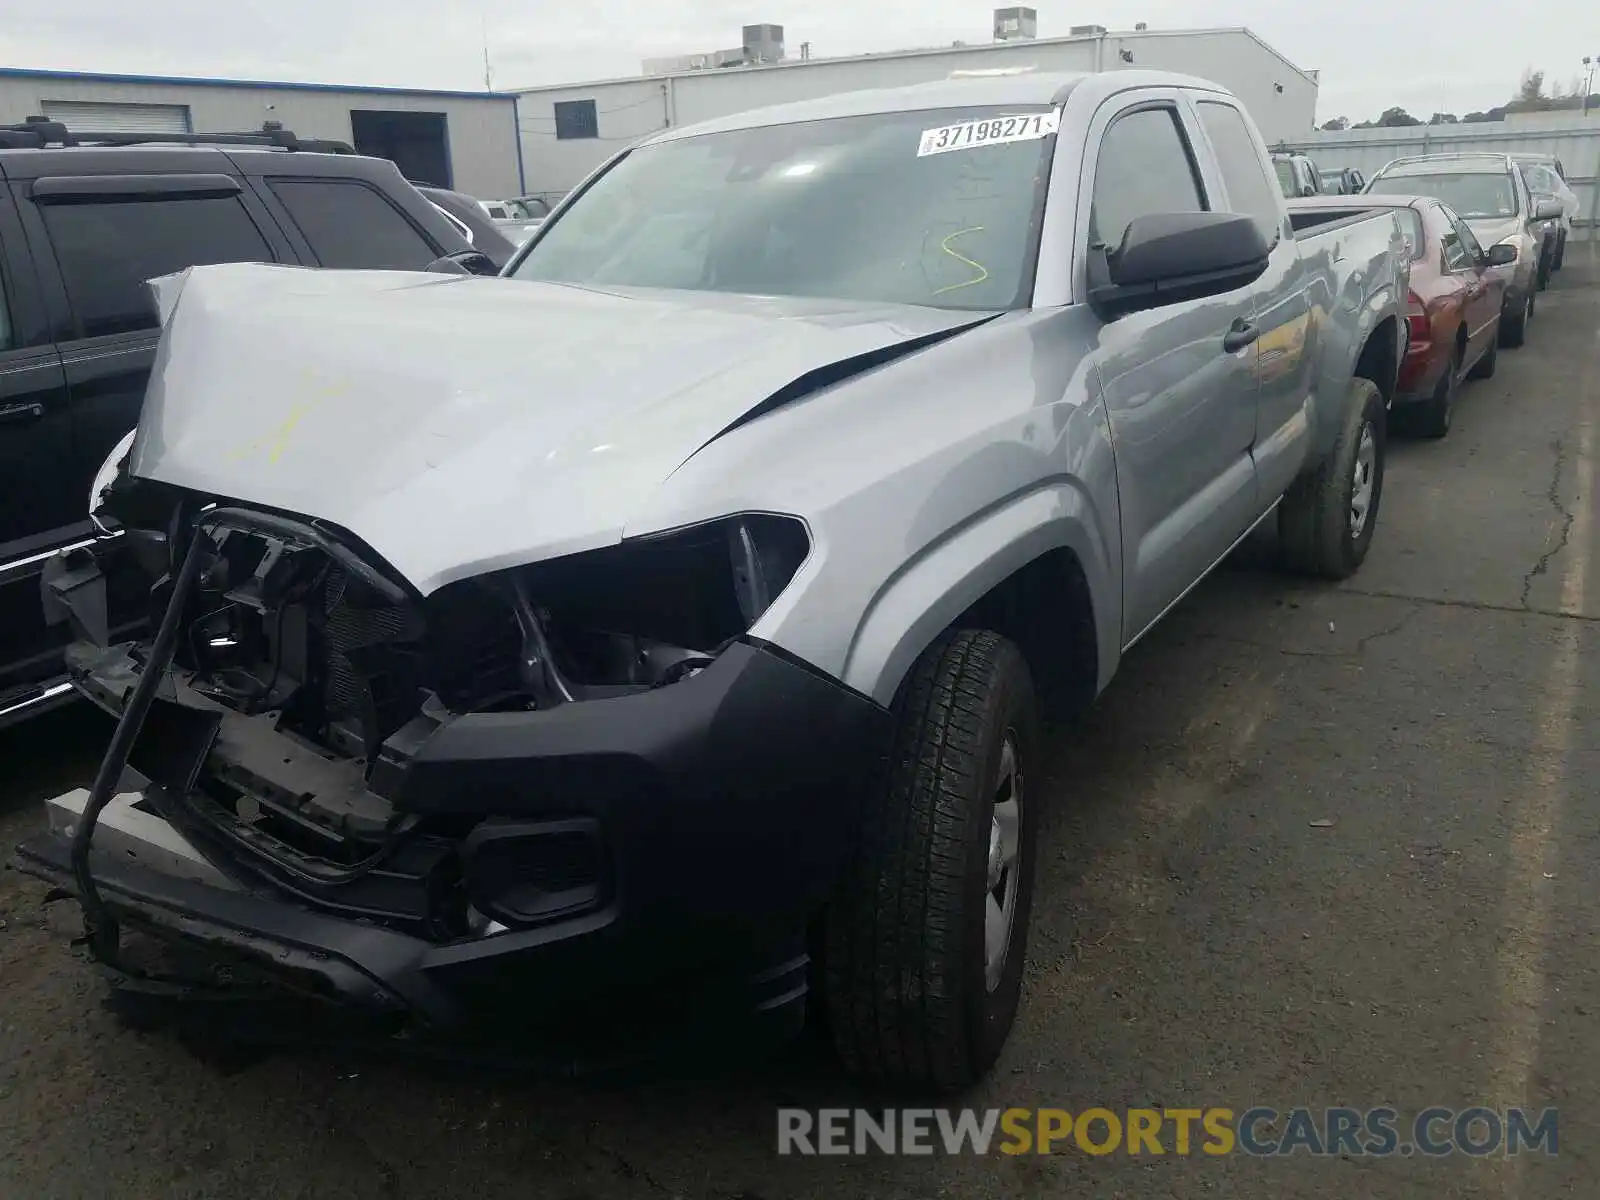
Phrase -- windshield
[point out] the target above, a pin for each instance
(1471, 194)
(1285, 170)
(938, 208)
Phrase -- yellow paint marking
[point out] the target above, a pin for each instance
(983, 272)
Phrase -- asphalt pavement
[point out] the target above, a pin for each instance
(1316, 846)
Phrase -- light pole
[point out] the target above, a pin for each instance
(1589, 65)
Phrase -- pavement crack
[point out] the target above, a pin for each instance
(629, 1171)
(1553, 495)
(1470, 605)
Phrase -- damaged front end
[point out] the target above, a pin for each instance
(516, 795)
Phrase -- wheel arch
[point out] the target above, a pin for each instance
(1034, 568)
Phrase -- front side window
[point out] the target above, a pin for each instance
(1456, 257)
(106, 251)
(1470, 193)
(871, 208)
(1144, 168)
(1469, 240)
(350, 225)
(1250, 191)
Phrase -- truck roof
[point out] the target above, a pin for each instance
(976, 91)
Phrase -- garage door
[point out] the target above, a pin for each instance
(91, 116)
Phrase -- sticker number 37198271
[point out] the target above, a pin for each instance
(991, 131)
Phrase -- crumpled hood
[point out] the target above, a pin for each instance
(459, 425)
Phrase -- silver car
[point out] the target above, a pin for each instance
(1487, 191)
(628, 629)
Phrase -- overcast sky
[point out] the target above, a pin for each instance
(1372, 53)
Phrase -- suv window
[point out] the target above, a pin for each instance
(351, 225)
(106, 251)
(1144, 167)
(1249, 190)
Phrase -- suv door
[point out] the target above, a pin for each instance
(1182, 408)
(106, 235)
(41, 507)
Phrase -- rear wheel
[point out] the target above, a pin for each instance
(1561, 252)
(1484, 368)
(926, 935)
(1433, 415)
(1326, 519)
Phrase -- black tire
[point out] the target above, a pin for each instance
(1489, 360)
(1561, 253)
(1433, 416)
(1514, 329)
(904, 959)
(1542, 275)
(1315, 526)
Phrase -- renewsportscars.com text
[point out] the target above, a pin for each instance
(1257, 1131)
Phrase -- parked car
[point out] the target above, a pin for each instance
(1546, 176)
(1452, 307)
(521, 216)
(85, 219)
(470, 220)
(1297, 175)
(1346, 181)
(1490, 195)
(620, 624)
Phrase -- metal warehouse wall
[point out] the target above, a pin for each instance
(629, 109)
(1574, 139)
(481, 130)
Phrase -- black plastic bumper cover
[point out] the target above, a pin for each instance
(726, 804)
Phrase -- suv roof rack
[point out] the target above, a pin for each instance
(37, 133)
(1440, 155)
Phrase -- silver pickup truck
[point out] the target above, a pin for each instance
(660, 625)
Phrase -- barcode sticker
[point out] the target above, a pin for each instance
(991, 131)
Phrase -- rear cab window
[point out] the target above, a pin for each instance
(1250, 191)
(351, 225)
(107, 247)
(1411, 227)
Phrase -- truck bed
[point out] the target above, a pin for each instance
(1321, 214)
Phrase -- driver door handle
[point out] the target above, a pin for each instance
(1240, 334)
(21, 412)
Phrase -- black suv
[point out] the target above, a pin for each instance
(85, 220)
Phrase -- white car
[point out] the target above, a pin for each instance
(1544, 173)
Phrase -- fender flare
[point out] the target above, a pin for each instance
(947, 577)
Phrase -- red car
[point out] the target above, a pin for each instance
(1453, 311)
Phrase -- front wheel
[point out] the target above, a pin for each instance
(1326, 519)
(926, 935)
(1561, 253)
(1514, 326)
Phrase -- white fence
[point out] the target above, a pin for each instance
(1573, 139)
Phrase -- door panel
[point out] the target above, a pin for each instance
(1483, 293)
(40, 504)
(1182, 409)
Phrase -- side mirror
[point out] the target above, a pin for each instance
(464, 262)
(1165, 258)
(1547, 208)
(1501, 256)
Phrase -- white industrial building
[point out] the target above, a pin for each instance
(466, 140)
(568, 130)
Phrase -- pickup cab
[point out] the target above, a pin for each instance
(662, 623)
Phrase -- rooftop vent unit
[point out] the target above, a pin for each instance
(1015, 24)
(763, 43)
(1085, 30)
